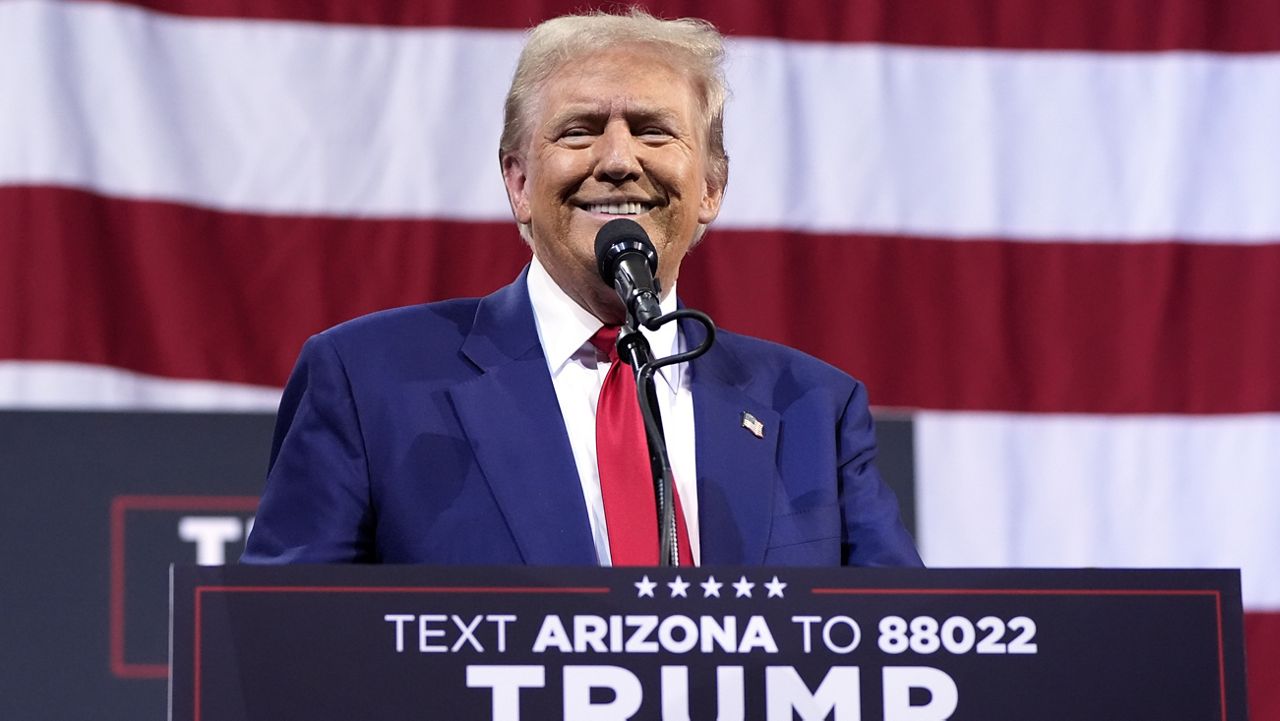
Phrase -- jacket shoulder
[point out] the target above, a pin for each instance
(447, 315)
(774, 363)
(402, 339)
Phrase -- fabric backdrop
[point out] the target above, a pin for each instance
(1050, 232)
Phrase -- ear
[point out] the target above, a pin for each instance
(516, 180)
(709, 207)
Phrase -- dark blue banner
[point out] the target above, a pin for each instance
(707, 643)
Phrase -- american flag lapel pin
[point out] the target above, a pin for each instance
(752, 424)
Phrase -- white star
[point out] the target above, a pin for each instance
(678, 587)
(711, 587)
(644, 587)
(743, 587)
(775, 588)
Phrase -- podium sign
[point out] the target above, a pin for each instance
(409, 642)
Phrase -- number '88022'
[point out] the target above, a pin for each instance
(957, 635)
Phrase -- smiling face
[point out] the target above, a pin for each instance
(613, 134)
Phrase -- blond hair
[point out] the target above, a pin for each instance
(694, 45)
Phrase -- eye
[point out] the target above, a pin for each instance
(576, 136)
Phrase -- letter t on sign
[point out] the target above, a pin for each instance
(506, 682)
(211, 534)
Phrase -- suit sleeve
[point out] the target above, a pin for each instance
(317, 506)
(873, 534)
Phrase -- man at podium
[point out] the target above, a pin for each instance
(505, 429)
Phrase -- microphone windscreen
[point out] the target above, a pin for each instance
(619, 236)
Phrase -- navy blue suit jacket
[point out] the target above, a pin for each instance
(432, 434)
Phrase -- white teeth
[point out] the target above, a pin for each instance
(632, 208)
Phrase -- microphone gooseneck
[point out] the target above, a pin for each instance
(627, 262)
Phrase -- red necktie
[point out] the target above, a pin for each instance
(622, 455)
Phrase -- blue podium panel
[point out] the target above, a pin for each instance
(401, 642)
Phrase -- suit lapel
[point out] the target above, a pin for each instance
(736, 469)
(512, 420)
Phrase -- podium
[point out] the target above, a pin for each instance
(414, 642)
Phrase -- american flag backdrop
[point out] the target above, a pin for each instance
(1048, 231)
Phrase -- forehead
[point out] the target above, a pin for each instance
(631, 80)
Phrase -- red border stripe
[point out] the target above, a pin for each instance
(511, 590)
(120, 505)
(184, 292)
(1105, 25)
(200, 591)
(1216, 595)
(1015, 592)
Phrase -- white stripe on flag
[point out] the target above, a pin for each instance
(1027, 145)
(45, 385)
(257, 116)
(1144, 491)
(339, 120)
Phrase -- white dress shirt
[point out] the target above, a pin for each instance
(565, 329)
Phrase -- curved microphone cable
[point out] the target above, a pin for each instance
(628, 262)
(669, 547)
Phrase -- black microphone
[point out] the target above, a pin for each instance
(627, 261)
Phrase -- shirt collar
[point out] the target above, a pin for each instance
(565, 328)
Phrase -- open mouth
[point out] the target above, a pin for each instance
(634, 207)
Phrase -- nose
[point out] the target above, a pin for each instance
(617, 154)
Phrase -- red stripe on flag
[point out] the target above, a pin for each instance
(1262, 649)
(179, 291)
(1105, 25)
(174, 290)
(1068, 327)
